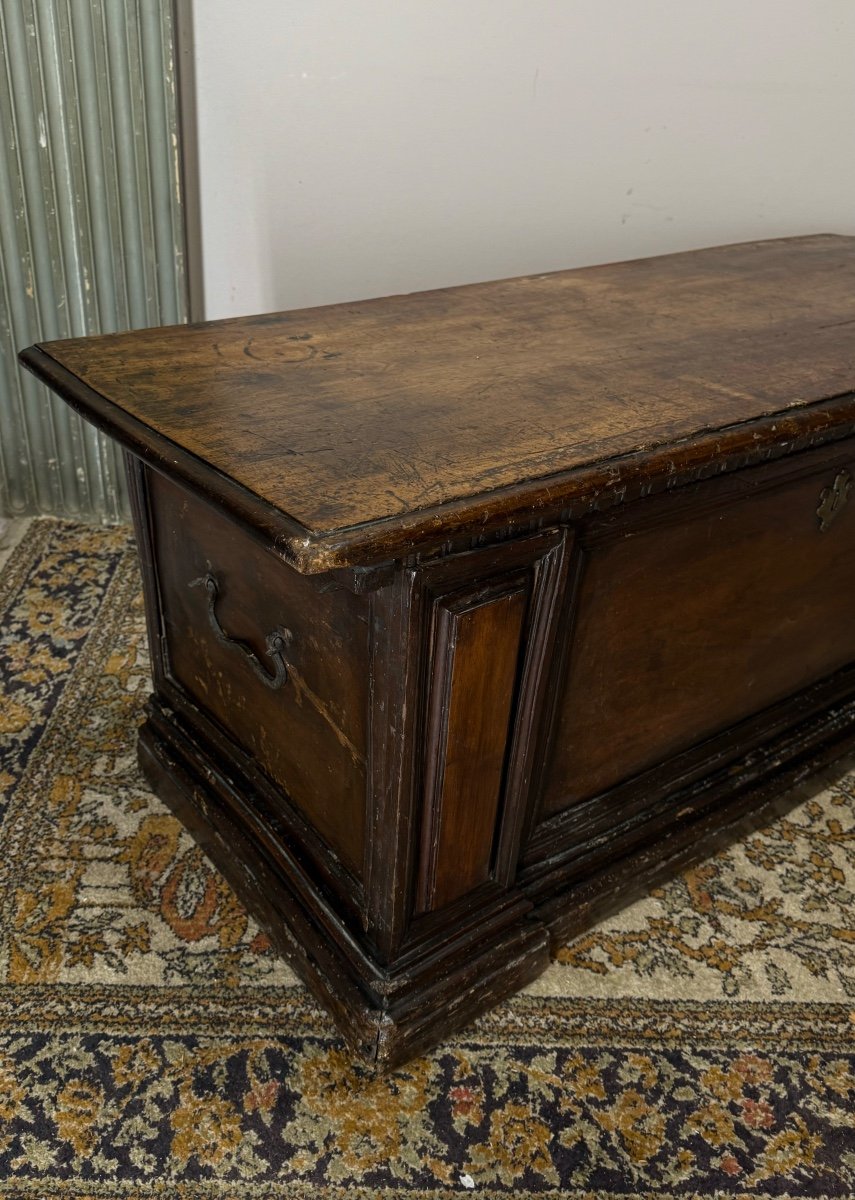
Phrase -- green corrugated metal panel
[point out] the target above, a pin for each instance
(91, 232)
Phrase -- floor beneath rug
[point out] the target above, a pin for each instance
(702, 1042)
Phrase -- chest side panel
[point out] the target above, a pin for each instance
(699, 611)
(277, 659)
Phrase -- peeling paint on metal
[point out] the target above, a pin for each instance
(91, 225)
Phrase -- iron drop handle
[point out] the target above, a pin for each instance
(275, 641)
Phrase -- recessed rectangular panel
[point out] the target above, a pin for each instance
(697, 619)
(475, 656)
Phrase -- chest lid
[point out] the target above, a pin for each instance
(360, 431)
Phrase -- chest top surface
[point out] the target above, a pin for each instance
(358, 420)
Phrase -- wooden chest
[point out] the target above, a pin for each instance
(475, 612)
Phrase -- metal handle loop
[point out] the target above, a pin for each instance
(274, 643)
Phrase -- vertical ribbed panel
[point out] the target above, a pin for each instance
(91, 233)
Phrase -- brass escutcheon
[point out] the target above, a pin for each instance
(832, 499)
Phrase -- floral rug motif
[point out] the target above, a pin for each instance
(700, 1043)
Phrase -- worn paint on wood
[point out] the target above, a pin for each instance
(370, 424)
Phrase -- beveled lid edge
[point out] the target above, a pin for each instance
(595, 485)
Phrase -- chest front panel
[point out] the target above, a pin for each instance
(697, 610)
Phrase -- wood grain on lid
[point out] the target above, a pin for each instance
(356, 414)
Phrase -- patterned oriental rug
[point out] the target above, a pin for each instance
(702, 1043)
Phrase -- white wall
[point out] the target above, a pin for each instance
(352, 148)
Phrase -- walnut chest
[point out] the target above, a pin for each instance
(474, 612)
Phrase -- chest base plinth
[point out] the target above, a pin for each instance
(389, 1013)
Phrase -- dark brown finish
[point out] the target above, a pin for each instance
(707, 608)
(473, 613)
(477, 647)
(309, 736)
(357, 432)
